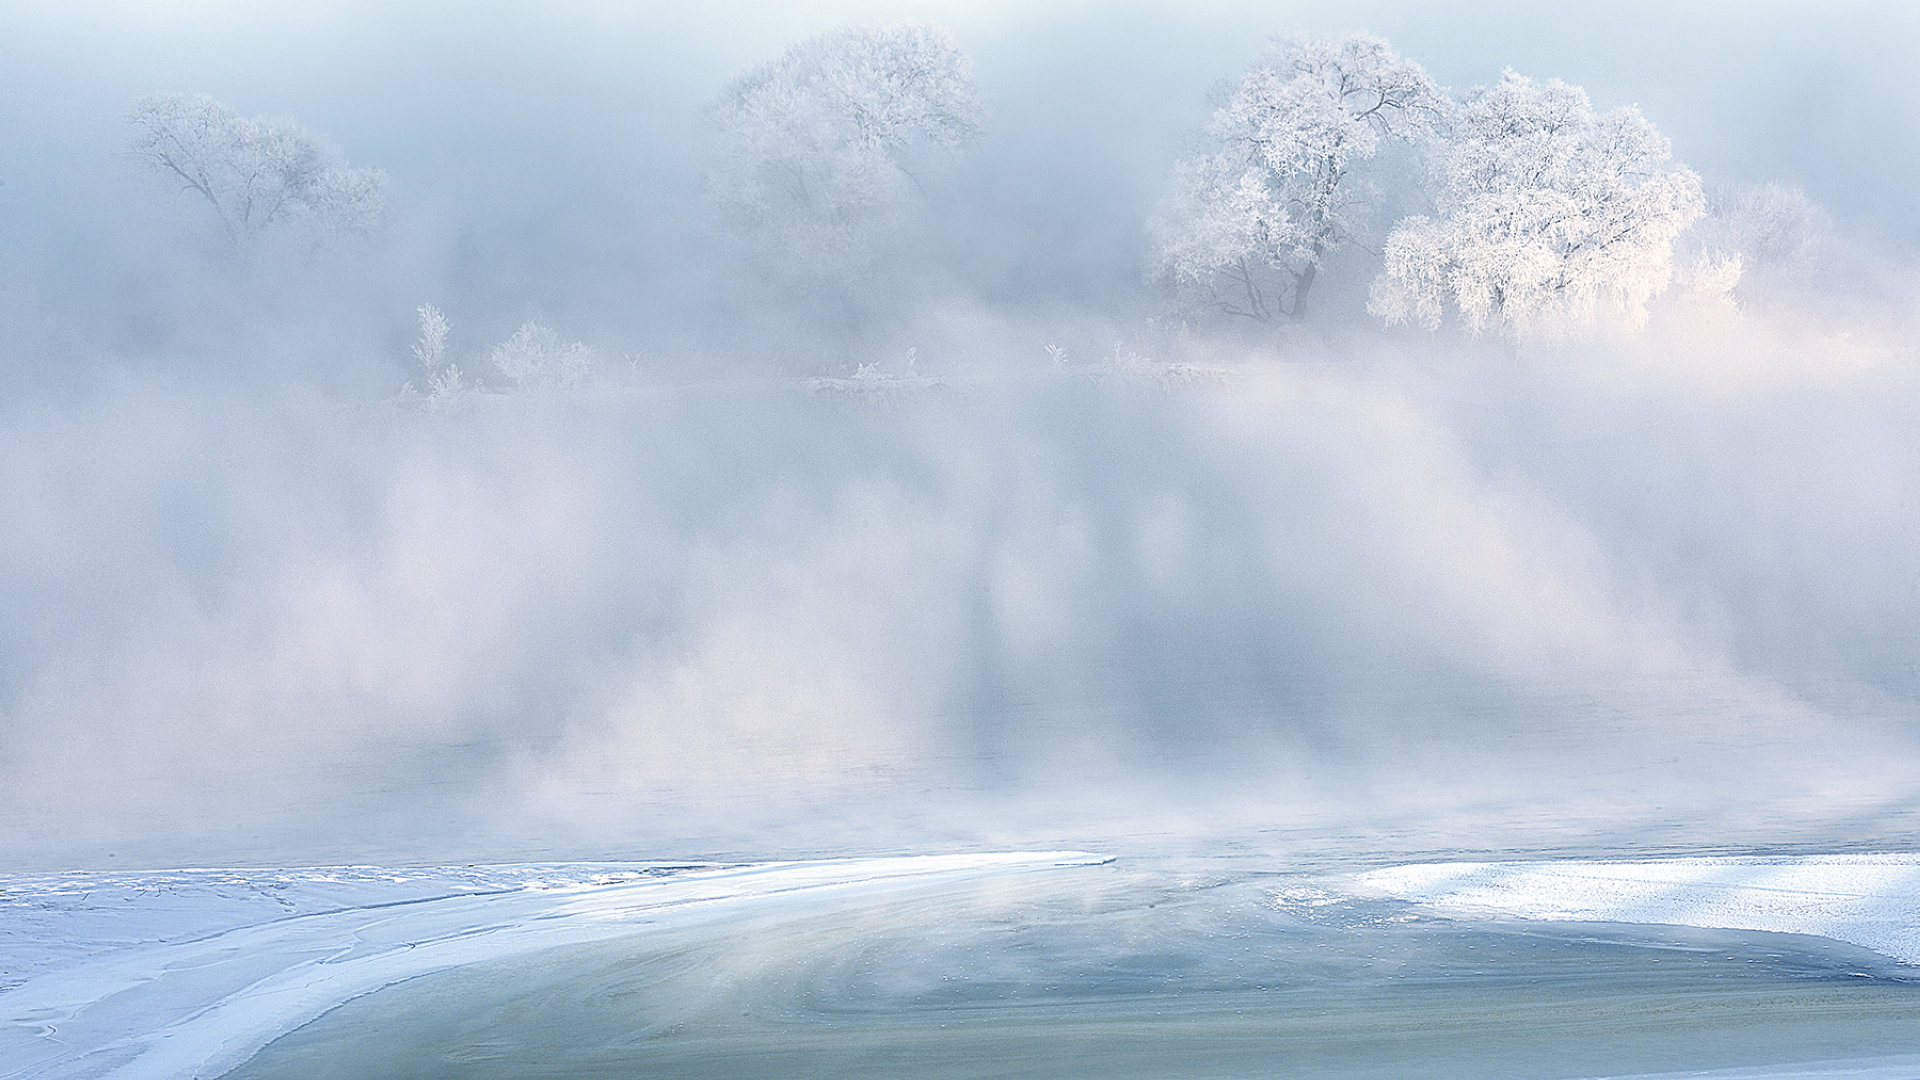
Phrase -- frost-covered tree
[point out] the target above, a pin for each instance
(1252, 217)
(1548, 215)
(255, 175)
(443, 377)
(1772, 230)
(818, 153)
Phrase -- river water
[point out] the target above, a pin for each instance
(1129, 970)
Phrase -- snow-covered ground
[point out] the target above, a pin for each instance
(1867, 900)
(187, 973)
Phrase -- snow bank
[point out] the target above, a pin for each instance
(1867, 900)
(190, 973)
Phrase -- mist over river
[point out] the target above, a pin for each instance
(1125, 969)
(956, 538)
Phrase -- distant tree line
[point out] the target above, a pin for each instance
(1545, 214)
(1542, 214)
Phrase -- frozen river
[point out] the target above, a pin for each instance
(1040, 965)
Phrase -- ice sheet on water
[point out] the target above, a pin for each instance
(1886, 1068)
(1867, 900)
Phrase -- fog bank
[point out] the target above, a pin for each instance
(979, 547)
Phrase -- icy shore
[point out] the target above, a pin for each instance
(1867, 900)
(188, 973)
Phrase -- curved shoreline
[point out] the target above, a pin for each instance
(191, 973)
(199, 1006)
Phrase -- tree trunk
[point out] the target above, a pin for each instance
(1303, 284)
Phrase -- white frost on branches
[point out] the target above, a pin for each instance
(537, 357)
(1251, 219)
(1548, 216)
(1770, 225)
(431, 349)
(1772, 230)
(444, 377)
(816, 153)
(255, 174)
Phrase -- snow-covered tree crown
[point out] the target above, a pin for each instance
(255, 174)
(818, 147)
(1307, 101)
(1547, 215)
(1276, 190)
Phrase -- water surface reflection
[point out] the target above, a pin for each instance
(1122, 971)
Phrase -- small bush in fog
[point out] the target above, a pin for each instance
(536, 356)
(443, 377)
(255, 175)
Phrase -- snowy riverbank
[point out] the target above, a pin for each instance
(188, 973)
(1867, 900)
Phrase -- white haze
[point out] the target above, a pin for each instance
(730, 597)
